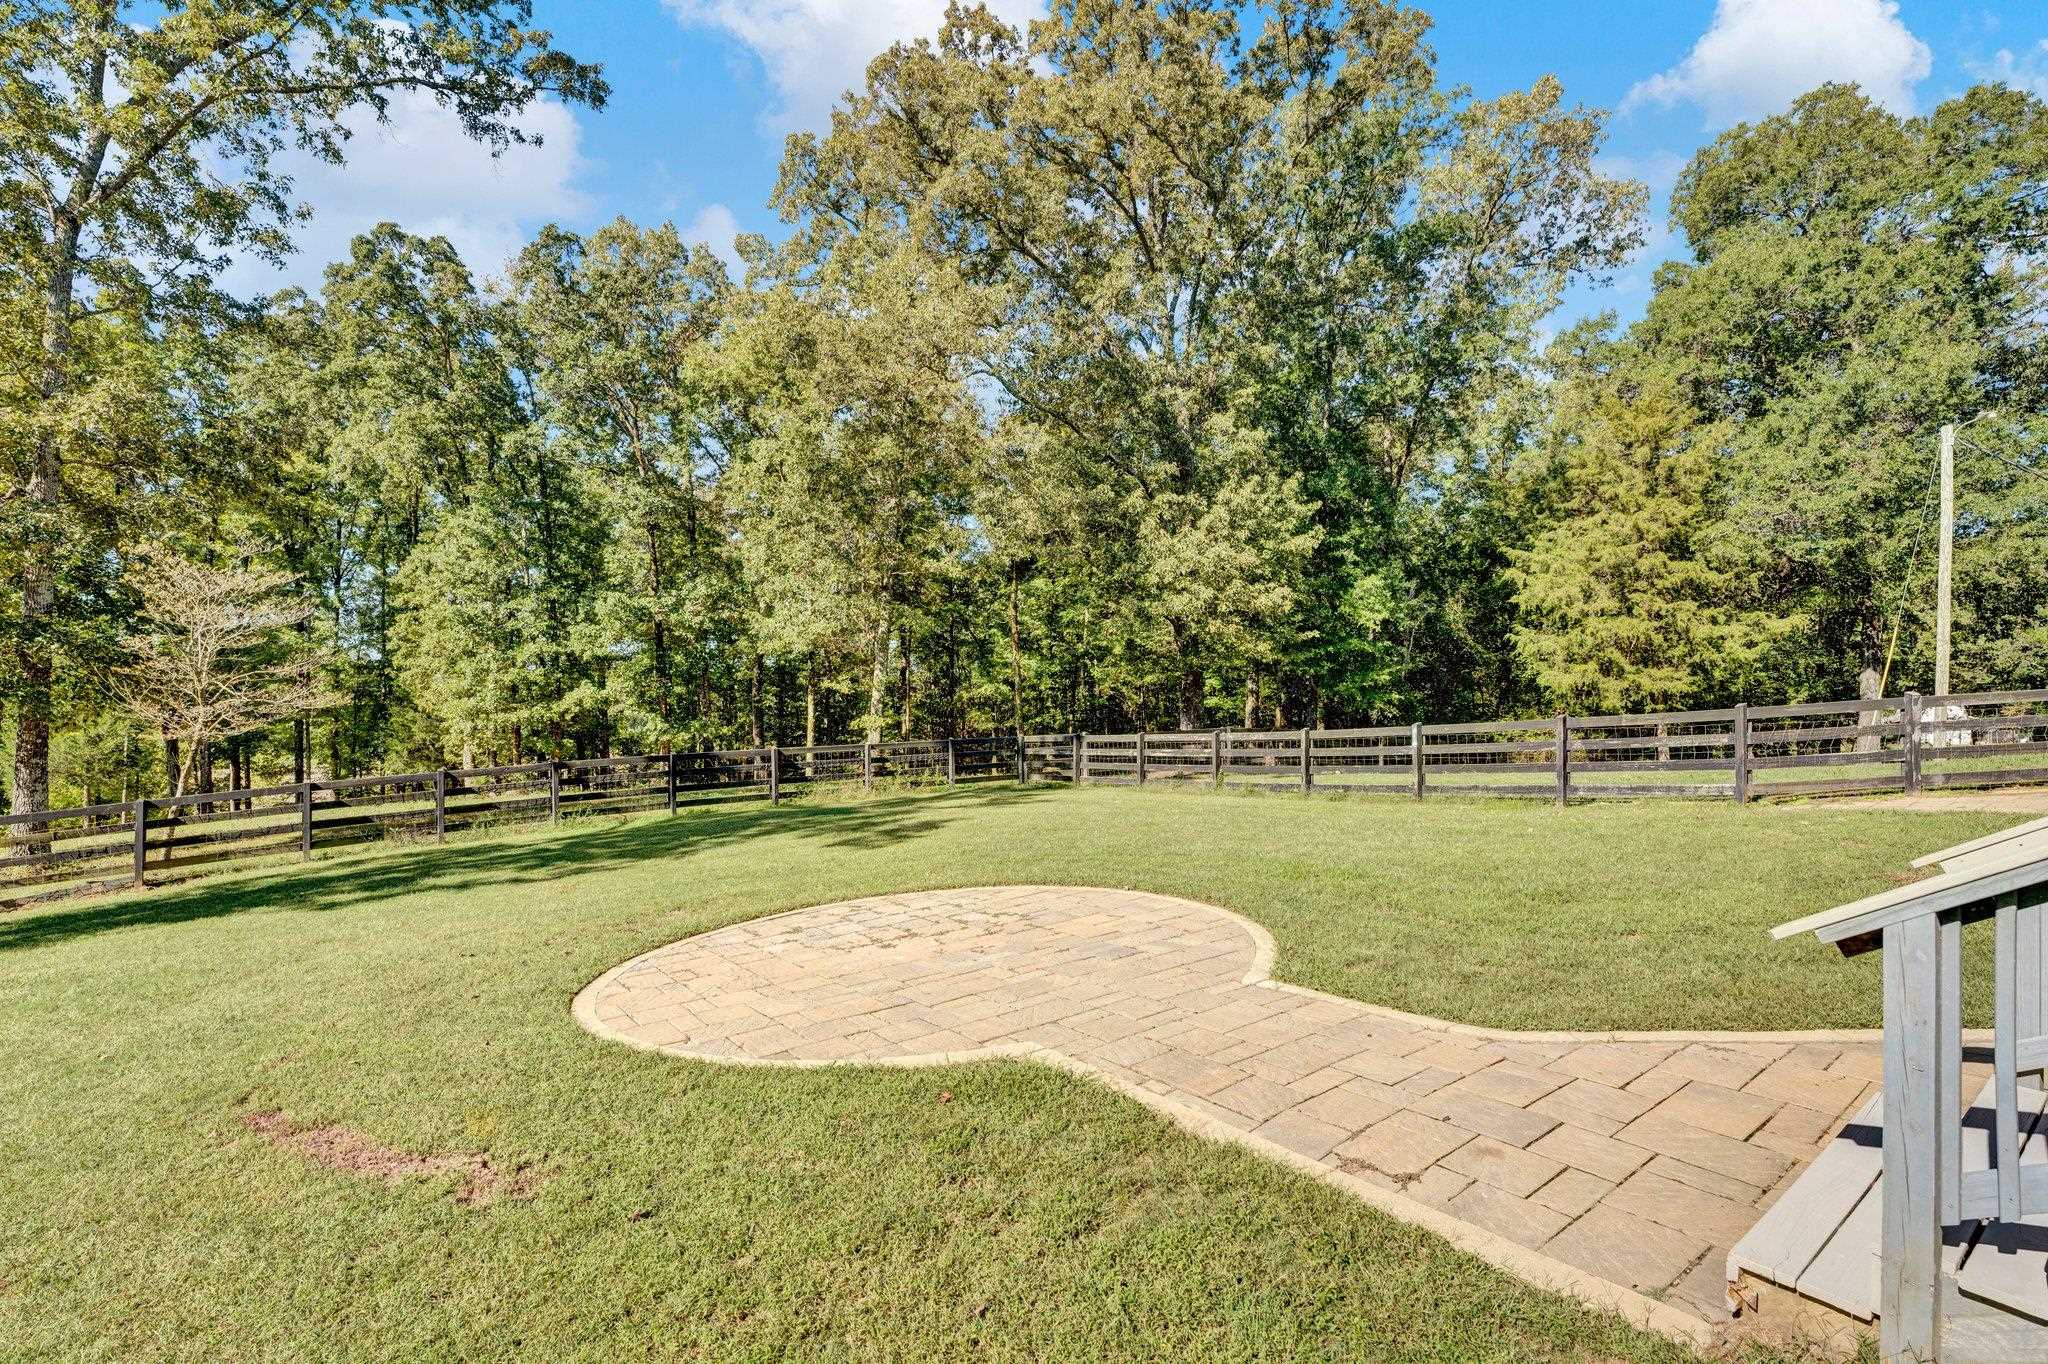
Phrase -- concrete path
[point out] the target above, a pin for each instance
(1619, 1168)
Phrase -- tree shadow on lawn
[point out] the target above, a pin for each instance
(348, 880)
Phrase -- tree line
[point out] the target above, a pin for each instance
(1166, 365)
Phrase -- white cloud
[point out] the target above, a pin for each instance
(2025, 71)
(420, 171)
(716, 227)
(815, 50)
(1758, 55)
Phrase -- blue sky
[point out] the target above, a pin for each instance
(703, 92)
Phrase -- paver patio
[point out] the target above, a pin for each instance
(1638, 1160)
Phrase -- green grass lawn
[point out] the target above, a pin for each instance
(689, 1211)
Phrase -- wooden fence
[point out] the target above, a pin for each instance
(1901, 743)
(60, 852)
(1906, 743)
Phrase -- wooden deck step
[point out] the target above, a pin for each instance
(1813, 1214)
(2008, 1264)
(1822, 1239)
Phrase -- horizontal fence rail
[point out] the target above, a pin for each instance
(61, 852)
(1903, 743)
(1899, 743)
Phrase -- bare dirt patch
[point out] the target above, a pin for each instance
(350, 1152)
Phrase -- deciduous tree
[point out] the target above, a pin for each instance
(217, 652)
(140, 145)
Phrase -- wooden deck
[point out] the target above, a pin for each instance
(1820, 1242)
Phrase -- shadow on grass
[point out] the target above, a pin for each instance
(346, 880)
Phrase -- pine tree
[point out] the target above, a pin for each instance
(1621, 608)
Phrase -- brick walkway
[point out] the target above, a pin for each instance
(1638, 1161)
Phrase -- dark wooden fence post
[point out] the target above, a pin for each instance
(1920, 729)
(141, 840)
(1911, 745)
(1564, 758)
(1738, 734)
(1415, 755)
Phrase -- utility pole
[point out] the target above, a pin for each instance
(1945, 574)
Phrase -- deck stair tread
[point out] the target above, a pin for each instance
(2007, 1265)
(1821, 1238)
(1797, 1228)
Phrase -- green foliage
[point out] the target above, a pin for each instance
(1161, 365)
(1226, 265)
(1858, 279)
(1623, 609)
(494, 627)
(617, 337)
(848, 488)
(139, 150)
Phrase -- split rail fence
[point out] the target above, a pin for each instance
(1910, 744)
(1907, 744)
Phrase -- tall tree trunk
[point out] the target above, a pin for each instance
(1251, 700)
(878, 680)
(660, 630)
(1016, 658)
(704, 712)
(661, 673)
(1190, 698)
(1187, 688)
(811, 703)
(903, 673)
(34, 661)
(754, 703)
(954, 715)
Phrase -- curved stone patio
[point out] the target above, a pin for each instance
(1619, 1168)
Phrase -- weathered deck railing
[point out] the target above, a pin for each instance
(1953, 1195)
